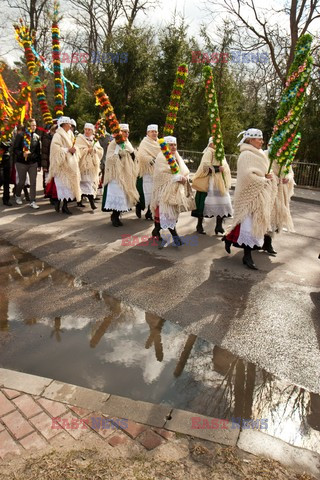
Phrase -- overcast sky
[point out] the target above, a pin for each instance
(195, 14)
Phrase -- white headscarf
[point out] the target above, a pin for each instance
(250, 133)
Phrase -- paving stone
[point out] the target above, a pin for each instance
(5, 405)
(299, 459)
(63, 439)
(8, 445)
(142, 412)
(17, 424)
(118, 439)
(55, 409)
(27, 405)
(101, 425)
(2, 427)
(10, 393)
(165, 433)
(45, 425)
(182, 422)
(77, 396)
(72, 425)
(133, 429)
(150, 440)
(33, 441)
(82, 412)
(23, 381)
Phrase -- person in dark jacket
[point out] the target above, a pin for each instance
(5, 169)
(27, 161)
(45, 152)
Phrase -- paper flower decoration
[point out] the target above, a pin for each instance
(104, 102)
(174, 167)
(58, 81)
(291, 105)
(175, 98)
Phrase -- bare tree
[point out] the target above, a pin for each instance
(261, 31)
(35, 14)
(131, 8)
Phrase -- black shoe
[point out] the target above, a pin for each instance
(7, 203)
(65, 208)
(219, 228)
(227, 244)
(156, 234)
(200, 227)
(138, 210)
(92, 204)
(148, 215)
(57, 206)
(176, 239)
(249, 263)
(247, 259)
(114, 219)
(267, 245)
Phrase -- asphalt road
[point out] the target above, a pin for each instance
(270, 317)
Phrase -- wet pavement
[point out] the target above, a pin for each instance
(53, 325)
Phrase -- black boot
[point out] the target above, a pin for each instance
(57, 205)
(177, 240)
(114, 218)
(200, 226)
(227, 244)
(148, 215)
(219, 227)
(156, 233)
(92, 204)
(65, 208)
(138, 210)
(267, 245)
(247, 259)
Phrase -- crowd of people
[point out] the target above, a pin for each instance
(75, 165)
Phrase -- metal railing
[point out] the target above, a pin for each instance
(305, 174)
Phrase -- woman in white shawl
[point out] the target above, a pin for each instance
(146, 156)
(215, 201)
(64, 165)
(90, 154)
(120, 193)
(171, 194)
(253, 198)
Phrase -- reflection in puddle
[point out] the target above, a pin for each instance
(52, 325)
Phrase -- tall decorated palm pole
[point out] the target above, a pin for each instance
(25, 38)
(57, 69)
(174, 104)
(284, 139)
(214, 116)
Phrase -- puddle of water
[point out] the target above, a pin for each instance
(52, 325)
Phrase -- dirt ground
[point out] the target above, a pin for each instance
(222, 463)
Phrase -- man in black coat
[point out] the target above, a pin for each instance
(27, 161)
(5, 169)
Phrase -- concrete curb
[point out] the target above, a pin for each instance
(163, 416)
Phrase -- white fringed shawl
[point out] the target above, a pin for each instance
(65, 165)
(173, 197)
(89, 163)
(208, 160)
(147, 151)
(254, 194)
(121, 167)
